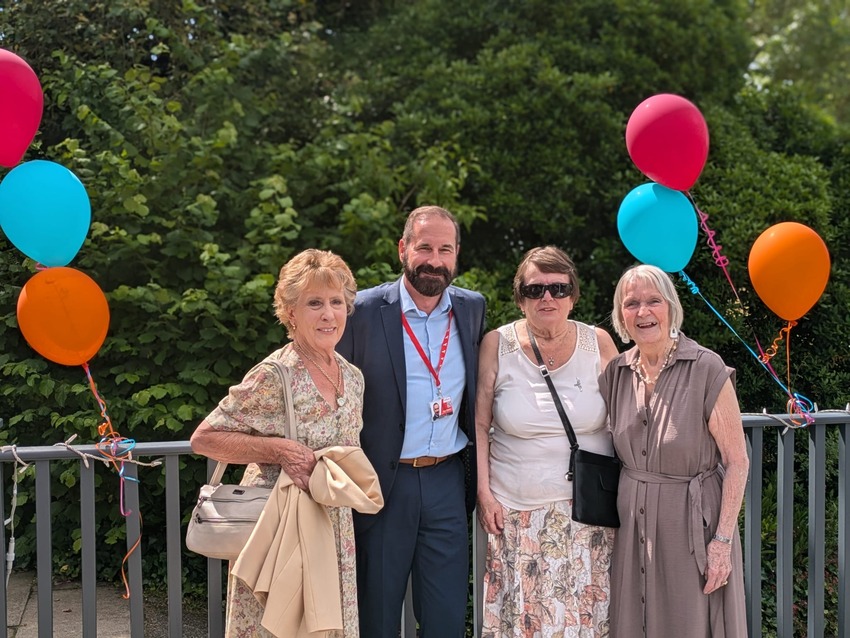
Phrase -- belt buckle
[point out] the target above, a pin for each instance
(416, 462)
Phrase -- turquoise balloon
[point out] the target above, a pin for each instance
(45, 211)
(658, 226)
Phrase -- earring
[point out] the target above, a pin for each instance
(674, 333)
(625, 339)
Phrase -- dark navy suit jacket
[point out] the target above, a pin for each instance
(373, 341)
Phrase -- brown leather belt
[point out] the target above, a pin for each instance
(425, 461)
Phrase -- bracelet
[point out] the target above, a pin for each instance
(722, 539)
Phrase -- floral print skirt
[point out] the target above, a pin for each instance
(547, 576)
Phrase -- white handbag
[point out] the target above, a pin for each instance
(225, 515)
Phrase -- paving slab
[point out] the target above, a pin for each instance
(113, 617)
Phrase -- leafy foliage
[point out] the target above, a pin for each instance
(217, 139)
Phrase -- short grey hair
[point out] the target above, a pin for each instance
(662, 283)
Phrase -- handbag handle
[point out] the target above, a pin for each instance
(565, 420)
(283, 375)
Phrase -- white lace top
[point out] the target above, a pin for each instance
(529, 449)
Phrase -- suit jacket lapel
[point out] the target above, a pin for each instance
(464, 331)
(391, 319)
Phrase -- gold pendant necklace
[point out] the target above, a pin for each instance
(340, 400)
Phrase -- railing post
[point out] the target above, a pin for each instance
(785, 534)
(174, 546)
(44, 549)
(134, 562)
(843, 531)
(88, 558)
(752, 531)
(815, 621)
(215, 627)
(4, 611)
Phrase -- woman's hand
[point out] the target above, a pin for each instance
(490, 513)
(718, 566)
(298, 462)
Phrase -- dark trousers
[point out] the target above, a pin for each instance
(421, 533)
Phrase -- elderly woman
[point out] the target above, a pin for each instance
(546, 575)
(314, 296)
(677, 568)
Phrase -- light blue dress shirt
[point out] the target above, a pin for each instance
(424, 435)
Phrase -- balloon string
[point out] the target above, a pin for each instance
(797, 403)
(126, 594)
(722, 262)
(115, 450)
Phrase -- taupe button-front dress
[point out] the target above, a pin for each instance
(669, 500)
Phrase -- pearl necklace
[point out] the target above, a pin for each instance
(340, 400)
(641, 371)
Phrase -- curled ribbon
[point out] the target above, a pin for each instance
(115, 450)
(797, 405)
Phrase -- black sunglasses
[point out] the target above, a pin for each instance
(536, 291)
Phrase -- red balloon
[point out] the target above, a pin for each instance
(667, 139)
(21, 106)
(63, 315)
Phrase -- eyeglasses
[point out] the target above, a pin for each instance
(536, 291)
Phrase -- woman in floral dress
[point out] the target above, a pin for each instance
(546, 576)
(314, 295)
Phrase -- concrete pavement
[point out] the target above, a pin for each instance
(113, 619)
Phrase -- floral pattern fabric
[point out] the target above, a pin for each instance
(255, 406)
(547, 576)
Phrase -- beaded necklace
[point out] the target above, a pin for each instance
(641, 371)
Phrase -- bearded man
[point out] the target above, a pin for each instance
(416, 341)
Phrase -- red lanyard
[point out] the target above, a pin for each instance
(418, 346)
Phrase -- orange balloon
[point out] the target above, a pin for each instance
(63, 315)
(789, 268)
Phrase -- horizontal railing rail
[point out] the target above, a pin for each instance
(757, 429)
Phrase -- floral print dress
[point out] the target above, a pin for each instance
(256, 406)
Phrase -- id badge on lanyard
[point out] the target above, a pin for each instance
(441, 406)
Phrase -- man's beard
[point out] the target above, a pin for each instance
(429, 286)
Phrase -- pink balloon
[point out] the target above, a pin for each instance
(21, 106)
(667, 139)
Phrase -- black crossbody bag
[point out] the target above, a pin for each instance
(595, 477)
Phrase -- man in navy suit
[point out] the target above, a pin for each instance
(416, 341)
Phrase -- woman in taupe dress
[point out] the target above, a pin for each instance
(677, 567)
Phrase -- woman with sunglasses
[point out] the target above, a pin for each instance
(546, 575)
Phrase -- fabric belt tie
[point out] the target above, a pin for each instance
(696, 540)
(425, 461)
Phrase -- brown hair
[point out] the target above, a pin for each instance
(548, 259)
(428, 211)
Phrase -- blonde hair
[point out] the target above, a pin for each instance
(662, 283)
(308, 268)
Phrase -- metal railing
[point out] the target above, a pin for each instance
(757, 428)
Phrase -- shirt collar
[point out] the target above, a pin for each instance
(686, 351)
(409, 307)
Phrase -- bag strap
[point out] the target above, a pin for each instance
(288, 425)
(565, 420)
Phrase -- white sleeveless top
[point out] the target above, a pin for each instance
(529, 449)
